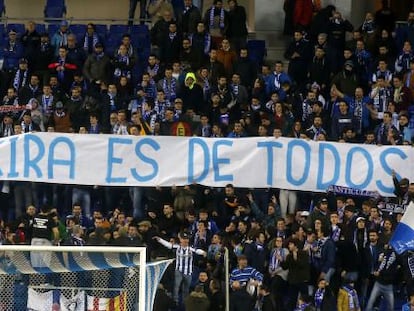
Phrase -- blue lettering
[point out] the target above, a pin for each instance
(52, 161)
(348, 169)
(152, 143)
(269, 145)
(387, 168)
(217, 161)
(114, 160)
(13, 172)
(29, 150)
(206, 156)
(321, 166)
(289, 169)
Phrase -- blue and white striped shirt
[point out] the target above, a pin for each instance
(244, 275)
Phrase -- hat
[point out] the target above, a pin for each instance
(404, 182)
(98, 45)
(304, 214)
(184, 235)
(59, 105)
(360, 218)
(23, 61)
(350, 208)
(64, 23)
(323, 200)
(315, 85)
(144, 223)
(349, 63)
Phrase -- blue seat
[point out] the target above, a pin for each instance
(2, 34)
(118, 29)
(56, 3)
(19, 28)
(78, 29)
(257, 51)
(52, 29)
(54, 13)
(41, 28)
(112, 44)
(102, 30)
(139, 29)
(79, 38)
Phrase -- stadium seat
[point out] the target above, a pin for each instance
(56, 4)
(52, 29)
(2, 34)
(41, 28)
(112, 44)
(118, 29)
(139, 29)
(78, 29)
(102, 30)
(54, 13)
(257, 51)
(19, 28)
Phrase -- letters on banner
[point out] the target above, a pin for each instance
(165, 161)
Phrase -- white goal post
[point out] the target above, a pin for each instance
(59, 260)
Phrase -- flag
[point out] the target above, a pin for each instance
(403, 238)
(39, 301)
(154, 273)
(75, 303)
(117, 303)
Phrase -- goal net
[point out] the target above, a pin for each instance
(74, 278)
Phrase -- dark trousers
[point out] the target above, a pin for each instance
(293, 292)
(132, 8)
(240, 300)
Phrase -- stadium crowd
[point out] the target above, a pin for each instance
(289, 249)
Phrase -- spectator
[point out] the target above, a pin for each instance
(184, 264)
(237, 30)
(197, 300)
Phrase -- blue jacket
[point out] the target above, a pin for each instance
(274, 83)
(12, 55)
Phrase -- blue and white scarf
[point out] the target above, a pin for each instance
(153, 71)
(20, 79)
(95, 40)
(221, 21)
(118, 71)
(319, 294)
(353, 302)
(169, 88)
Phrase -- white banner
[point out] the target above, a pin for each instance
(166, 160)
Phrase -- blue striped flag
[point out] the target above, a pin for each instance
(403, 237)
(154, 273)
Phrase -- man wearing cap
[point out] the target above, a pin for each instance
(60, 119)
(320, 212)
(184, 255)
(21, 76)
(240, 298)
(60, 38)
(12, 52)
(97, 66)
(346, 80)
